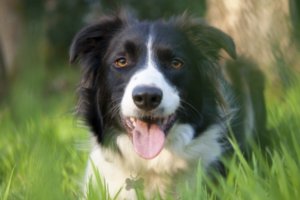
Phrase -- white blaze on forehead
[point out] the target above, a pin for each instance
(150, 59)
(149, 75)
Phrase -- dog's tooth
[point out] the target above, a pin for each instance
(134, 124)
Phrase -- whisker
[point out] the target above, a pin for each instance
(115, 108)
(193, 108)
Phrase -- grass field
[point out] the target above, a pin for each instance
(43, 150)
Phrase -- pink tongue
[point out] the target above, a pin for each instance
(148, 139)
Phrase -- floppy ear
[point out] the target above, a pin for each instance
(88, 47)
(210, 40)
(93, 39)
(214, 40)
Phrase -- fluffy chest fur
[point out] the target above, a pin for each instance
(155, 99)
(178, 159)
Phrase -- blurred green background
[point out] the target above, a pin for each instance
(44, 147)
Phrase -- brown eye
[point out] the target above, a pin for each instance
(176, 63)
(121, 62)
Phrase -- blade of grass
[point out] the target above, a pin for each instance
(8, 186)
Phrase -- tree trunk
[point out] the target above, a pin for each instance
(2, 75)
(10, 40)
(260, 29)
(10, 32)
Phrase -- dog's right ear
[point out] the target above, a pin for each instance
(93, 39)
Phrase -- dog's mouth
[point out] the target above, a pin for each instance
(148, 133)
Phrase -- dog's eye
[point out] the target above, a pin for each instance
(121, 62)
(176, 63)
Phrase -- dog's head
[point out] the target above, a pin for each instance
(141, 77)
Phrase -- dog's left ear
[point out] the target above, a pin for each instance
(210, 40)
(213, 39)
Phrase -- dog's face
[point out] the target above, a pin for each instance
(141, 78)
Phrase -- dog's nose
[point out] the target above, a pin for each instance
(146, 97)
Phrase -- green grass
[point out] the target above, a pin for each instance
(43, 151)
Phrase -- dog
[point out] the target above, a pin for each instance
(158, 102)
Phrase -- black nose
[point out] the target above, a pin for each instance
(146, 97)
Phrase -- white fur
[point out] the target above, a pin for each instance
(150, 76)
(180, 156)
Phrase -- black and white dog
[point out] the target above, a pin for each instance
(158, 102)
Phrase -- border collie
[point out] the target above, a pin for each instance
(158, 102)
